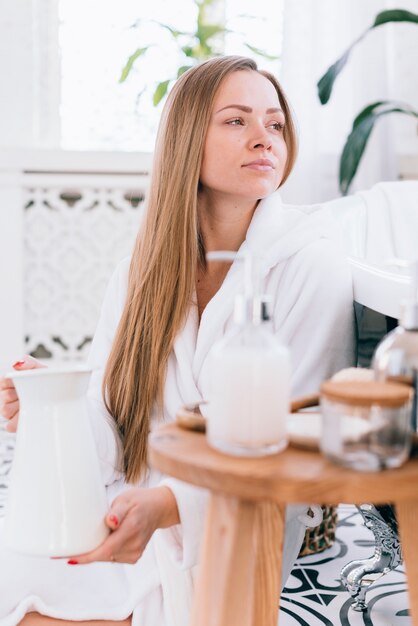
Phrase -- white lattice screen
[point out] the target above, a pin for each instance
(76, 226)
(72, 241)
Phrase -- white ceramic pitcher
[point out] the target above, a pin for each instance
(57, 501)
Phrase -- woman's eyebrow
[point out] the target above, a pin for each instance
(246, 109)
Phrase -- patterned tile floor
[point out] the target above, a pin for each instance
(314, 595)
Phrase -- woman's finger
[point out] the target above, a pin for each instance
(11, 425)
(6, 383)
(8, 395)
(27, 363)
(102, 553)
(119, 509)
(125, 544)
(113, 549)
(132, 518)
(10, 409)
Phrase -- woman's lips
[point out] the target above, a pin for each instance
(262, 165)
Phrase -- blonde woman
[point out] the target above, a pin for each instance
(226, 143)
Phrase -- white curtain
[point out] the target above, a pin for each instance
(315, 34)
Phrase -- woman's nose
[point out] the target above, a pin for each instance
(261, 139)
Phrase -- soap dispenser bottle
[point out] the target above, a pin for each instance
(249, 377)
(396, 357)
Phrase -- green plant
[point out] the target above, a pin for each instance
(195, 47)
(364, 122)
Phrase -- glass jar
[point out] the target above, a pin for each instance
(366, 425)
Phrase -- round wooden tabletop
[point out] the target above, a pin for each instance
(293, 475)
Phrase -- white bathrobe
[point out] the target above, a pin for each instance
(310, 283)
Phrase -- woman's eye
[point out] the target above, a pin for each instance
(277, 125)
(235, 122)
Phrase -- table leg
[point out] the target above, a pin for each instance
(407, 514)
(239, 575)
(223, 594)
(270, 523)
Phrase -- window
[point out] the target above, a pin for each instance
(96, 38)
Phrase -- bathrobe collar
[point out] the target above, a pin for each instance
(276, 232)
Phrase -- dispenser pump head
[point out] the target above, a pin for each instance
(250, 306)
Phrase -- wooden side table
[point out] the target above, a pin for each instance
(240, 569)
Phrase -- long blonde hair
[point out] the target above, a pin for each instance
(167, 253)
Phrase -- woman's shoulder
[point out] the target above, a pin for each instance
(321, 256)
(122, 268)
(294, 234)
(321, 268)
(119, 277)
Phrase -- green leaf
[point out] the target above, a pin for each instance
(261, 53)
(394, 15)
(326, 82)
(187, 50)
(359, 136)
(176, 33)
(126, 70)
(183, 69)
(207, 31)
(202, 4)
(160, 91)
(368, 110)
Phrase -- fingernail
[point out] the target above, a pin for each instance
(114, 520)
(18, 363)
(72, 562)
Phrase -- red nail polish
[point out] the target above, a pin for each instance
(72, 562)
(18, 363)
(114, 520)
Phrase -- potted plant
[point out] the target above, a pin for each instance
(196, 46)
(365, 120)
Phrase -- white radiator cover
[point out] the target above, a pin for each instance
(66, 219)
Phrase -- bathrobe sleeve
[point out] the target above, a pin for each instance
(314, 315)
(183, 540)
(107, 439)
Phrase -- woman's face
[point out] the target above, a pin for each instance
(244, 153)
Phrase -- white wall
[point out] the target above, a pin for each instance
(382, 66)
(29, 70)
(404, 78)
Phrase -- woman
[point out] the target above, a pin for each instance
(226, 143)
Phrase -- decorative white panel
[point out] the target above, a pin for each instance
(74, 236)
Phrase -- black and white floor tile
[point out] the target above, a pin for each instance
(314, 595)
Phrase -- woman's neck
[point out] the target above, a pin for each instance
(224, 224)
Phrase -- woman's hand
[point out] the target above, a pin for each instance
(133, 518)
(9, 402)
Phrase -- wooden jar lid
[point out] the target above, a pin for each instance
(366, 393)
